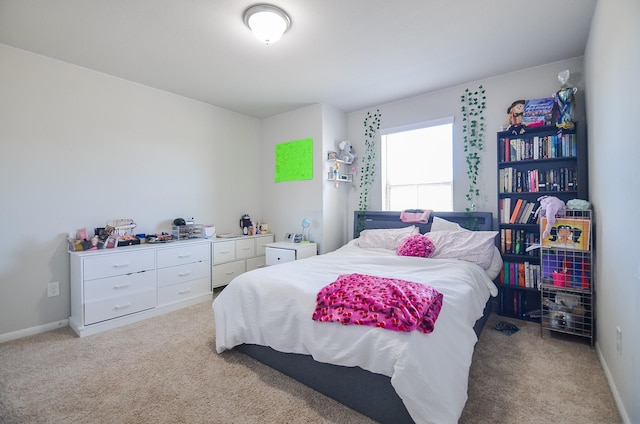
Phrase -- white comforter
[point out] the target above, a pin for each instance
(272, 306)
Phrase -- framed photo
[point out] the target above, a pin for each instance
(568, 233)
(111, 242)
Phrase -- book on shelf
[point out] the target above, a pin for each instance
(537, 147)
(528, 210)
(535, 180)
(516, 209)
(505, 210)
(521, 274)
(514, 241)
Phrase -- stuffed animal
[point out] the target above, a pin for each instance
(345, 152)
(550, 207)
(514, 116)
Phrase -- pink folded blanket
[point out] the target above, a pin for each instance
(415, 215)
(379, 302)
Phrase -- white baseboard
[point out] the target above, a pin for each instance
(99, 327)
(105, 325)
(614, 389)
(33, 330)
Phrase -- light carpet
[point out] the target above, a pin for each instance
(165, 370)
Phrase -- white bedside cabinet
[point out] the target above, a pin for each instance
(234, 256)
(281, 252)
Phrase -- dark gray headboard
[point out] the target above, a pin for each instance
(367, 220)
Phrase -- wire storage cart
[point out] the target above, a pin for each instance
(567, 285)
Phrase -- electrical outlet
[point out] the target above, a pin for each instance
(53, 289)
(619, 340)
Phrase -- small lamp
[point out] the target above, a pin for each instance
(268, 23)
(306, 223)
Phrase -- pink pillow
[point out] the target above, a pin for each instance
(416, 245)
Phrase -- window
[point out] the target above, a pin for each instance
(417, 166)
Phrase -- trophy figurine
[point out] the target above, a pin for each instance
(564, 102)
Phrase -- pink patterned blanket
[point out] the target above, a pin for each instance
(379, 302)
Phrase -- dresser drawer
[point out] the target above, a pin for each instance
(224, 273)
(119, 306)
(110, 265)
(279, 256)
(260, 244)
(245, 248)
(183, 291)
(181, 273)
(184, 254)
(255, 263)
(224, 251)
(121, 285)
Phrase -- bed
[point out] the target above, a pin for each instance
(390, 376)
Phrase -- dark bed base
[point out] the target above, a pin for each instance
(366, 392)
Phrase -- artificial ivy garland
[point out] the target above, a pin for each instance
(473, 129)
(368, 170)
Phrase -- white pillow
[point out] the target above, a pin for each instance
(496, 264)
(386, 238)
(440, 224)
(471, 246)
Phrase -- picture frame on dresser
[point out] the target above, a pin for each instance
(111, 242)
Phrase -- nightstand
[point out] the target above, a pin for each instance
(281, 252)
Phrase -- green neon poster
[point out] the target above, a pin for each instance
(294, 160)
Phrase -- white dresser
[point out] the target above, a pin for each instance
(231, 257)
(114, 287)
(281, 252)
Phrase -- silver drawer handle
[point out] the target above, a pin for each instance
(225, 252)
(185, 291)
(121, 286)
(122, 306)
(120, 265)
(184, 256)
(183, 274)
(246, 248)
(229, 272)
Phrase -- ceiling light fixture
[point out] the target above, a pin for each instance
(268, 23)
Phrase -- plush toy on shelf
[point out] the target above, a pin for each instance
(515, 113)
(550, 206)
(345, 153)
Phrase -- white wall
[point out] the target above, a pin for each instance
(335, 207)
(286, 203)
(500, 91)
(612, 66)
(79, 148)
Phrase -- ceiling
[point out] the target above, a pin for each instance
(350, 54)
